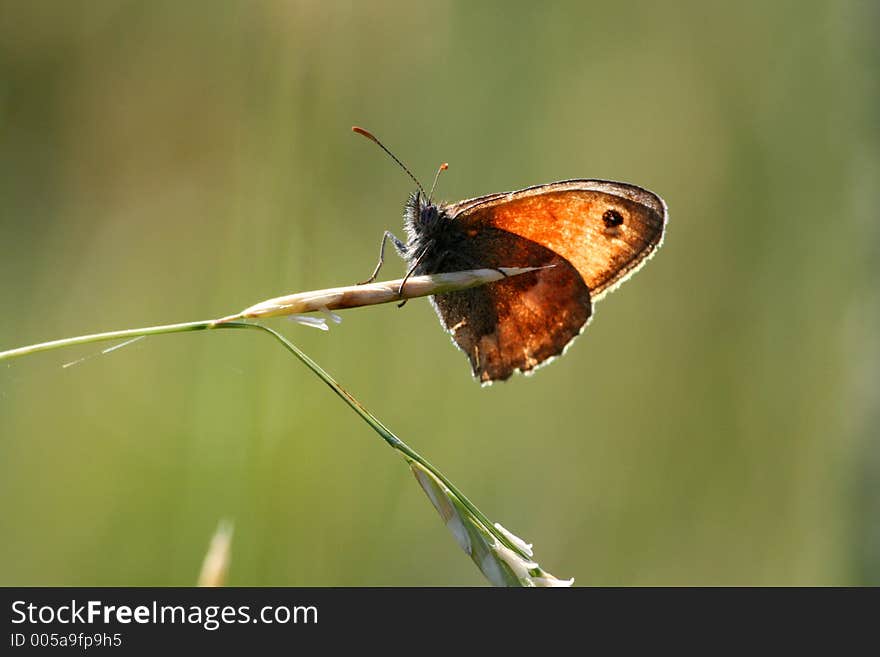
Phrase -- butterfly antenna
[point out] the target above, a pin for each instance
(373, 139)
(443, 167)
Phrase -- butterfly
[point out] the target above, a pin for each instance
(586, 236)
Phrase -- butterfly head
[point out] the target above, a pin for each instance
(422, 217)
(427, 215)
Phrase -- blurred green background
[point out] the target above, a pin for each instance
(167, 161)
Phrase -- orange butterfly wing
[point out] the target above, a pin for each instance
(571, 218)
(595, 233)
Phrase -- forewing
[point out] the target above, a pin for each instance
(606, 230)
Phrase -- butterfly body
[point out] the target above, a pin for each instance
(584, 237)
(587, 235)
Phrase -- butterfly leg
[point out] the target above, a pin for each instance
(399, 245)
(411, 270)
